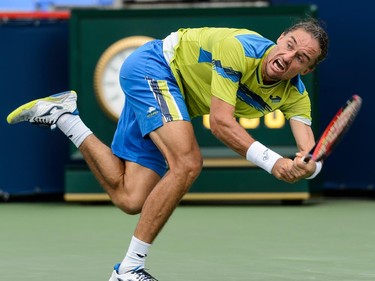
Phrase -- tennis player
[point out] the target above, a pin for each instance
(154, 157)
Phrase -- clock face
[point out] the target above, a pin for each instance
(106, 77)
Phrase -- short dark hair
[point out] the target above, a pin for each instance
(316, 29)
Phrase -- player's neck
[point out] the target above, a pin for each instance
(267, 81)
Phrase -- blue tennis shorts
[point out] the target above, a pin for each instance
(152, 97)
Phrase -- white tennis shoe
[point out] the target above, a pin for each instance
(45, 111)
(138, 274)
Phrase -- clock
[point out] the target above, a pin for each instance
(106, 75)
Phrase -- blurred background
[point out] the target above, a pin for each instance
(40, 49)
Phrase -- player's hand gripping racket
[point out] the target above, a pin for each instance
(335, 130)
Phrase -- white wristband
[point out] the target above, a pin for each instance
(318, 168)
(262, 156)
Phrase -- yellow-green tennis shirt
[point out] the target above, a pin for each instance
(226, 63)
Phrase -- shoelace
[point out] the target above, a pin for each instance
(143, 275)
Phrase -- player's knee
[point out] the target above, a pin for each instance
(195, 166)
(188, 168)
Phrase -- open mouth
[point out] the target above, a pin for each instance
(279, 65)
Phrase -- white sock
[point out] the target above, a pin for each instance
(73, 127)
(135, 257)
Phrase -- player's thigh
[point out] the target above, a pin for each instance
(177, 142)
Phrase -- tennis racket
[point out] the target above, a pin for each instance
(335, 130)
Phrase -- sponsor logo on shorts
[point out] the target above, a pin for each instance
(151, 111)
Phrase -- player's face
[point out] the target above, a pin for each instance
(295, 53)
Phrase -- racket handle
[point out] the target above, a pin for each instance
(307, 158)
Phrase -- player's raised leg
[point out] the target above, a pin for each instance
(112, 172)
(127, 183)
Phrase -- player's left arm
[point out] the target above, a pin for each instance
(305, 141)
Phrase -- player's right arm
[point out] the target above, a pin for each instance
(226, 128)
